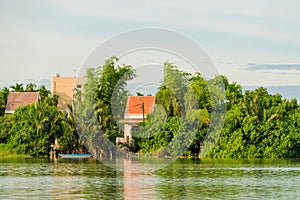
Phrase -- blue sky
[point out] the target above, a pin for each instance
(251, 42)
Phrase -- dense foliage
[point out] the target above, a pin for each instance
(32, 129)
(257, 124)
(182, 124)
(99, 108)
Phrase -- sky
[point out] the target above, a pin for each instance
(255, 43)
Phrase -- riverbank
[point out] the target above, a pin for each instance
(6, 153)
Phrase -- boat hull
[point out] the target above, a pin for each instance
(75, 155)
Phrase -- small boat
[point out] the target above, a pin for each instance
(75, 155)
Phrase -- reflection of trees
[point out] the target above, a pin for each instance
(172, 184)
(83, 179)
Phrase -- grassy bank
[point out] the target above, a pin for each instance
(6, 153)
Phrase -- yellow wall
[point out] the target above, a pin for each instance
(64, 87)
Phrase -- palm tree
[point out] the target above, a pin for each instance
(19, 87)
(255, 104)
(30, 87)
(44, 93)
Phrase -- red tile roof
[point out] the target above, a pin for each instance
(17, 99)
(134, 105)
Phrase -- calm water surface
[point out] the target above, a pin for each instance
(184, 179)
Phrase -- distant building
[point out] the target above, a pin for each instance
(137, 108)
(64, 88)
(18, 99)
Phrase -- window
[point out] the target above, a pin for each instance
(135, 128)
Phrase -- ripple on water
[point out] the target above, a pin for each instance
(185, 179)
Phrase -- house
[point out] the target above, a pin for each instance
(18, 99)
(64, 88)
(137, 108)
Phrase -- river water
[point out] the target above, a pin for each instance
(183, 179)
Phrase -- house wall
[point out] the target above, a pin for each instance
(134, 116)
(135, 108)
(127, 133)
(64, 87)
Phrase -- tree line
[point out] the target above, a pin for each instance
(257, 124)
(31, 129)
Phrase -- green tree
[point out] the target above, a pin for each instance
(104, 87)
(3, 99)
(18, 87)
(33, 128)
(31, 87)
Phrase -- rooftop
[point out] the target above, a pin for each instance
(134, 105)
(17, 99)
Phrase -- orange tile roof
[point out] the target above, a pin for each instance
(17, 99)
(134, 105)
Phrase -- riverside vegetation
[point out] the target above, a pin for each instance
(257, 124)
(31, 129)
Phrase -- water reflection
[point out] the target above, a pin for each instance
(184, 179)
(137, 184)
(230, 181)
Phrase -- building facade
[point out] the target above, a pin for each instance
(64, 87)
(137, 108)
